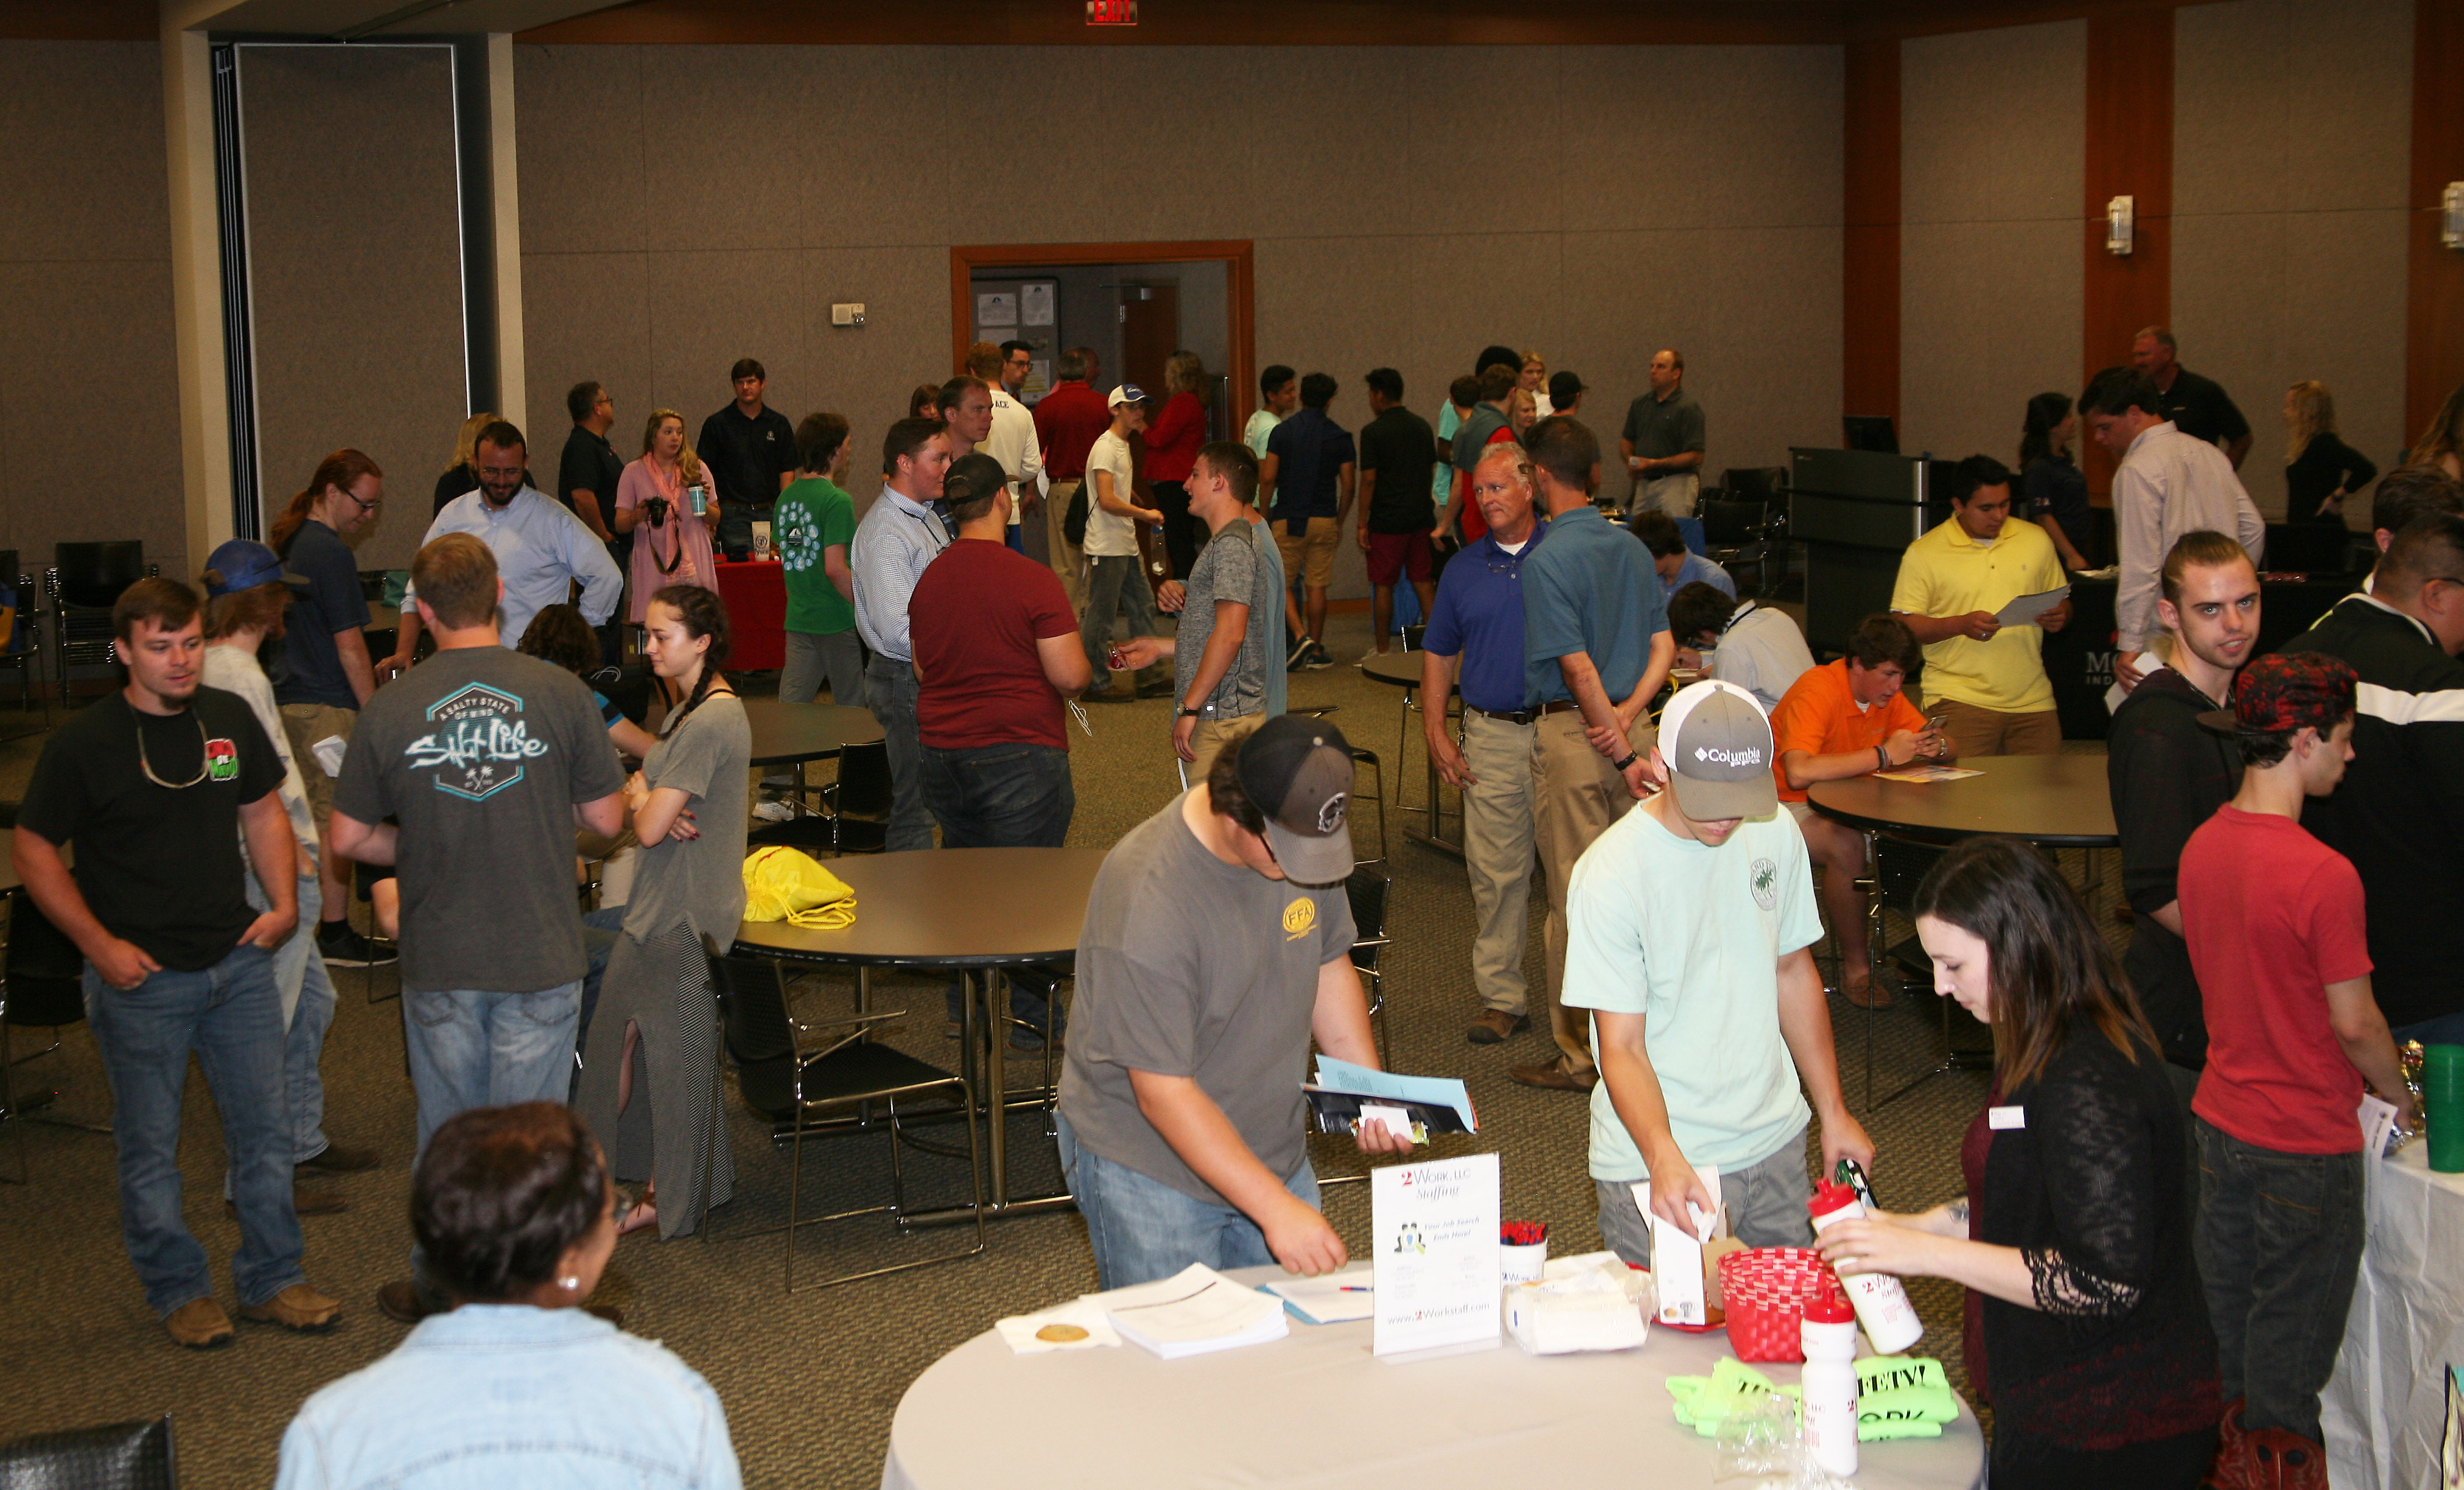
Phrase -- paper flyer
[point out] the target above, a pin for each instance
(1433, 1234)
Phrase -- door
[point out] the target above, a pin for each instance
(1150, 334)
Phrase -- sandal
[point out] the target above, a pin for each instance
(641, 1213)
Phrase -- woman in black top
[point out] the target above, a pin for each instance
(2319, 470)
(2056, 491)
(2097, 1352)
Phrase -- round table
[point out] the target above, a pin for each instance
(2060, 802)
(1402, 669)
(788, 735)
(951, 907)
(1315, 1407)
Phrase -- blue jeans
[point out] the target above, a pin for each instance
(1014, 795)
(1142, 1229)
(2279, 1246)
(231, 1016)
(469, 1048)
(300, 974)
(889, 693)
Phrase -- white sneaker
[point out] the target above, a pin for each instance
(773, 811)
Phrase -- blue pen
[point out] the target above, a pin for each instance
(1349, 1288)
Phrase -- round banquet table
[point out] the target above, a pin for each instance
(2059, 801)
(1315, 1407)
(787, 734)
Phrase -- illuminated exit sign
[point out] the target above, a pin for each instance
(1111, 12)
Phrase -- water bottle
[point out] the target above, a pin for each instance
(701, 500)
(1829, 1335)
(1882, 1304)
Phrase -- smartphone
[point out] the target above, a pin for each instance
(1851, 1174)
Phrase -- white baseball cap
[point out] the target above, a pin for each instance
(1718, 745)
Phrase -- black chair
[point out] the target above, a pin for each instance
(1898, 866)
(800, 1074)
(41, 986)
(858, 801)
(1733, 532)
(1366, 889)
(132, 1455)
(83, 584)
(2308, 548)
(22, 648)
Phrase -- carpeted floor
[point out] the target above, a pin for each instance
(812, 1383)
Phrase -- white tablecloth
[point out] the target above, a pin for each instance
(1317, 1409)
(2387, 1406)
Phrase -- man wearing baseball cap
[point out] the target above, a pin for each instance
(1114, 583)
(1216, 946)
(2274, 920)
(1690, 924)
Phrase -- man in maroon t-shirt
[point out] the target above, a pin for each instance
(1068, 420)
(996, 652)
(2274, 920)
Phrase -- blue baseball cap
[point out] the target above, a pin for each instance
(1127, 393)
(244, 564)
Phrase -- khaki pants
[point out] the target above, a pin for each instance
(1675, 495)
(1214, 734)
(1576, 795)
(1987, 731)
(306, 724)
(1066, 558)
(1498, 854)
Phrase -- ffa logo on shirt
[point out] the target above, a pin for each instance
(222, 760)
(1765, 882)
(1299, 918)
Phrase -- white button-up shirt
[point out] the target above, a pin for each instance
(540, 549)
(892, 544)
(2171, 483)
(1012, 443)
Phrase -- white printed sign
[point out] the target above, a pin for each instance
(1434, 1239)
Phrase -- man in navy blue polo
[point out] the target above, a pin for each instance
(1475, 637)
(1597, 649)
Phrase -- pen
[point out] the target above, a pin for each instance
(1349, 1288)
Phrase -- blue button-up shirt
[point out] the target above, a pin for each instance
(1589, 589)
(892, 544)
(540, 549)
(1479, 616)
(1698, 569)
(508, 1394)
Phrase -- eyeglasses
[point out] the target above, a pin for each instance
(204, 763)
(366, 507)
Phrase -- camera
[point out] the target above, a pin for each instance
(657, 509)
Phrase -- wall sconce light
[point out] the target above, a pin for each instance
(2119, 226)
(2450, 221)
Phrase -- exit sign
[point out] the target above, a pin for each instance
(1111, 12)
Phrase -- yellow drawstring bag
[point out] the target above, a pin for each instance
(786, 885)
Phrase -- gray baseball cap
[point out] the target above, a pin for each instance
(1718, 746)
(1298, 770)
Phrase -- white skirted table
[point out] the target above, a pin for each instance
(2385, 1407)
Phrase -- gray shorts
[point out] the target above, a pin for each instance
(1765, 1201)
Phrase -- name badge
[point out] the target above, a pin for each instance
(2006, 1117)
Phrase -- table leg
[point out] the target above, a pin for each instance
(1434, 836)
(996, 987)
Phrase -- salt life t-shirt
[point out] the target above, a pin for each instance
(482, 753)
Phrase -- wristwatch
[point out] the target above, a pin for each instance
(1192, 713)
(1618, 766)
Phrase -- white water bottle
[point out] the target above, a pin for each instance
(1882, 1304)
(1828, 1334)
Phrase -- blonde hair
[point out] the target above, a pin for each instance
(1182, 372)
(466, 444)
(687, 464)
(1529, 358)
(2445, 435)
(2311, 415)
(1523, 395)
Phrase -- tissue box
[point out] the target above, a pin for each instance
(1589, 1302)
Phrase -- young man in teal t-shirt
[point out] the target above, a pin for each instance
(814, 522)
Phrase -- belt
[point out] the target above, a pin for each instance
(1520, 717)
(1559, 707)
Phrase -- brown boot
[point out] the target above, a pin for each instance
(200, 1325)
(1495, 1026)
(2230, 1470)
(298, 1307)
(2280, 1459)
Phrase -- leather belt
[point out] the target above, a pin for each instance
(1520, 717)
(1559, 707)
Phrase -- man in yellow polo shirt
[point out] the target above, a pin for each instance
(1984, 680)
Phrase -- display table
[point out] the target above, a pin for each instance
(2058, 801)
(2385, 1407)
(1316, 1409)
(755, 592)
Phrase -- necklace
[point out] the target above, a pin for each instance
(148, 766)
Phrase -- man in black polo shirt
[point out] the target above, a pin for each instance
(2398, 815)
(1663, 442)
(1398, 456)
(155, 787)
(752, 451)
(2198, 406)
(586, 483)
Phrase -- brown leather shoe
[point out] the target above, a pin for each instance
(399, 1300)
(298, 1307)
(1495, 1025)
(305, 1201)
(200, 1325)
(342, 1159)
(1556, 1075)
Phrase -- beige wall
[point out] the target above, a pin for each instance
(2291, 132)
(1649, 197)
(1992, 161)
(89, 397)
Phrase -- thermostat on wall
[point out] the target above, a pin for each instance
(846, 314)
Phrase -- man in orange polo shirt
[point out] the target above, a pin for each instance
(1845, 719)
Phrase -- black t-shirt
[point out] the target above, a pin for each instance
(589, 464)
(158, 866)
(2200, 408)
(748, 455)
(1399, 445)
(333, 602)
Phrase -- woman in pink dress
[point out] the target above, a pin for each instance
(655, 501)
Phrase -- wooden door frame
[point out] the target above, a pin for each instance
(1239, 293)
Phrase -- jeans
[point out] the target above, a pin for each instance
(837, 656)
(1113, 579)
(301, 981)
(470, 1048)
(1143, 1230)
(1765, 1201)
(889, 693)
(2445, 1029)
(1014, 795)
(2279, 1246)
(231, 1016)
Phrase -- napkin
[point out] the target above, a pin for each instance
(1017, 1332)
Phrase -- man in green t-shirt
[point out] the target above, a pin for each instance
(814, 524)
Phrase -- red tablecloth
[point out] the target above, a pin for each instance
(755, 592)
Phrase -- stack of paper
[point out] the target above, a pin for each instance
(1330, 1300)
(1196, 1312)
(1343, 1091)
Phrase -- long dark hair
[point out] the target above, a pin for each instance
(2049, 970)
(704, 614)
(341, 471)
(2045, 412)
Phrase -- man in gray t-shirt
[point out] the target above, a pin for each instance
(1216, 944)
(1229, 610)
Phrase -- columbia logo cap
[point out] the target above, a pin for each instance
(1719, 755)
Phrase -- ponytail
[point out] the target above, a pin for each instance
(2045, 412)
(340, 471)
(704, 615)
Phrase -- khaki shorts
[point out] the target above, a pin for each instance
(1311, 558)
(306, 724)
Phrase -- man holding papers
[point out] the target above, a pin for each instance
(1218, 944)
(1690, 924)
(1975, 592)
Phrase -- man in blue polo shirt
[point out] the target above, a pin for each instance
(1475, 637)
(1595, 648)
(1306, 482)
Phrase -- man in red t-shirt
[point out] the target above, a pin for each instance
(1068, 420)
(2274, 920)
(996, 651)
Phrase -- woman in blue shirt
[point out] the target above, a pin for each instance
(2055, 490)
